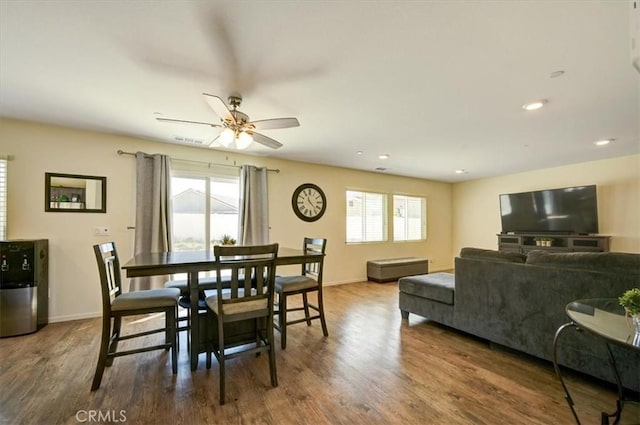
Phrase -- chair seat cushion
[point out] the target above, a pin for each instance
(286, 284)
(185, 302)
(236, 308)
(165, 297)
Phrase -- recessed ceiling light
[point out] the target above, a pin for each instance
(461, 171)
(384, 156)
(556, 74)
(603, 142)
(359, 153)
(532, 106)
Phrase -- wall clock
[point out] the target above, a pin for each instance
(308, 202)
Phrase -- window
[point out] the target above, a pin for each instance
(409, 218)
(198, 224)
(3, 198)
(366, 217)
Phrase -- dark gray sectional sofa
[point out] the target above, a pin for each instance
(518, 301)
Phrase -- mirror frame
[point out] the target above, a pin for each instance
(48, 193)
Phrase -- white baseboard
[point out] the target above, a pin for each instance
(342, 282)
(68, 318)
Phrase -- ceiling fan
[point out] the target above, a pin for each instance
(235, 125)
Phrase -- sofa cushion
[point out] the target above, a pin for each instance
(436, 286)
(488, 254)
(607, 262)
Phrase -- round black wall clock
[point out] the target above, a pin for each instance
(308, 202)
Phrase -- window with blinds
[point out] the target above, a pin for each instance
(3, 198)
(366, 217)
(409, 218)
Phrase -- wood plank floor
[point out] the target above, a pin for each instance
(372, 369)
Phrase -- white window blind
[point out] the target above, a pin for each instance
(409, 218)
(3, 198)
(366, 217)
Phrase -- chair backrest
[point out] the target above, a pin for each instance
(253, 273)
(109, 270)
(315, 246)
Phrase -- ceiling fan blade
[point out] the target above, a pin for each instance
(188, 122)
(214, 141)
(219, 107)
(266, 141)
(274, 123)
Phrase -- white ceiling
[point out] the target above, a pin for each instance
(438, 85)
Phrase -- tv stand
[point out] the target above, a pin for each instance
(525, 242)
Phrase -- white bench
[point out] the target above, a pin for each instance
(388, 270)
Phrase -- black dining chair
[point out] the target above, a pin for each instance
(308, 281)
(248, 299)
(117, 304)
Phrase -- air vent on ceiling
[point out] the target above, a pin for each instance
(189, 140)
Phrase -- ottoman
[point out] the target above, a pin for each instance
(392, 269)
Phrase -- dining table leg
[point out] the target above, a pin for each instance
(194, 329)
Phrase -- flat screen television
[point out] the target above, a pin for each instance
(569, 210)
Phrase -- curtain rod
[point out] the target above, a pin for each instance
(208, 164)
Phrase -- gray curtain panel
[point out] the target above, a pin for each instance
(153, 212)
(253, 218)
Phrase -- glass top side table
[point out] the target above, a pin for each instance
(605, 318)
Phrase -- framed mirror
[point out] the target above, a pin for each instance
(75, 193)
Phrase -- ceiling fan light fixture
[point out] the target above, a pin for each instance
(226, 137)
(243, 140)
(236, 129)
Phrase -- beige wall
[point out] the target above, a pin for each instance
(476, 211)
(36, 149)
(464, 214)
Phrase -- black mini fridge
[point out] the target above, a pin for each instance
(24, 286)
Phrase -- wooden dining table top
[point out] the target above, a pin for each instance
(171, 262)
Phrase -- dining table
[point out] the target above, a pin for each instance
(192, 263)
